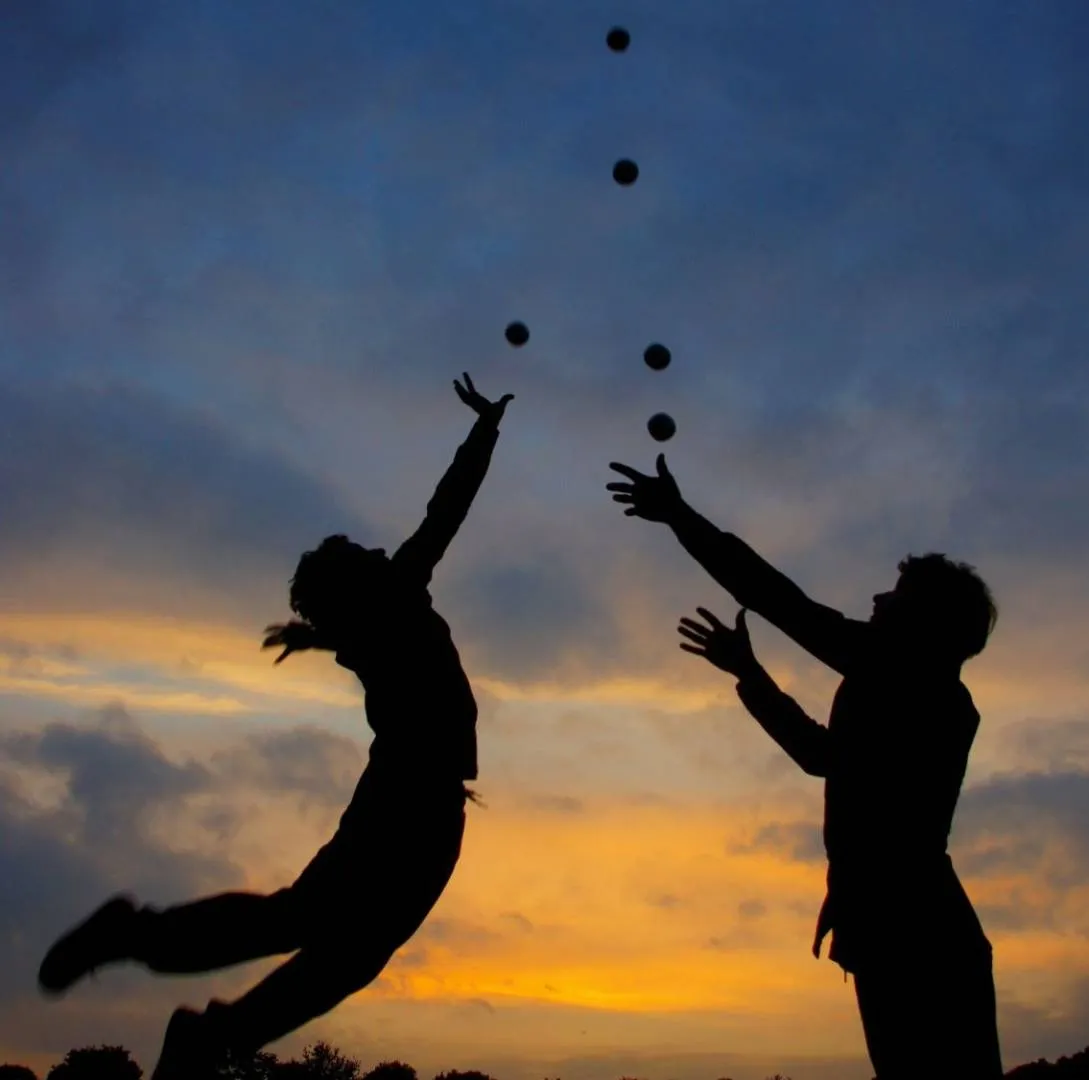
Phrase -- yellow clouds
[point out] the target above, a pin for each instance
(619, 906)
(156, 664)
(641, 692)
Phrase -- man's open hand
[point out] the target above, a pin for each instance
(730, 650)
(493, 410)
(655, 498)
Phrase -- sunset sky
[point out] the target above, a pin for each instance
(246, 247)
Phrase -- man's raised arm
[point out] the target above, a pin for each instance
(449, 506)
(754, 583)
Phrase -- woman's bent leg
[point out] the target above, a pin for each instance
(216, 932)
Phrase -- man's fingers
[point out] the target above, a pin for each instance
(468, 382)
(660, 464)
(711, 617)
(617, 486)
(692, 635)
(630, 512)
(693, 649)
(627, 470)
(624, 498)
(741, 624)
(686, 621)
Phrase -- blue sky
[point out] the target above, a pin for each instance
(244, 251)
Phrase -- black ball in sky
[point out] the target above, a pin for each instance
(618, 39)
(657, 357)
(625, 172)
(517, 333)
(661, 427)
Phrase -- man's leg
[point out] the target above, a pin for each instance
(935, 1020)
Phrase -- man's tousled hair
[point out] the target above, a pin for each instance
(956, 592)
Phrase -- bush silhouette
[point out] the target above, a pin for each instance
(97, 1063)
(391, 1070)
(259, 1066)
(321, 1061)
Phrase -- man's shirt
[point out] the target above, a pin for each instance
(893, 757)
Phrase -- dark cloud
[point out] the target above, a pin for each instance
(1021, 822)
(51, 46)
(109, 828)
(458, 935)
(316, 765)
(798, 840)
(1031, 1032)
(529, 613)
(59, 861)
(1031, 822)
(565, 805)
(665, 901)
(1050, 745)
(151, 486)
(752, 909)
(519, 920)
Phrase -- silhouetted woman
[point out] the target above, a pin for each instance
(370, 888)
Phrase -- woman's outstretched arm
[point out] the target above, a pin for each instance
(421, 552)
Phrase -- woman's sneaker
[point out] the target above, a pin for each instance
(104, 938)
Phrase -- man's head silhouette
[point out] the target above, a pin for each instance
(940, 610)
(334, 583)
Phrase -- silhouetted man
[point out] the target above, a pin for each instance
(370, 888)
(893, 757)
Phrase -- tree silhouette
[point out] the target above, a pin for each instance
(259, 1066)
(17, 1072)
(389, 1070)
(97, 1063)
(319, 1062)
(1066, 1068)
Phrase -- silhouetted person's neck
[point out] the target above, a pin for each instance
(909, 654)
